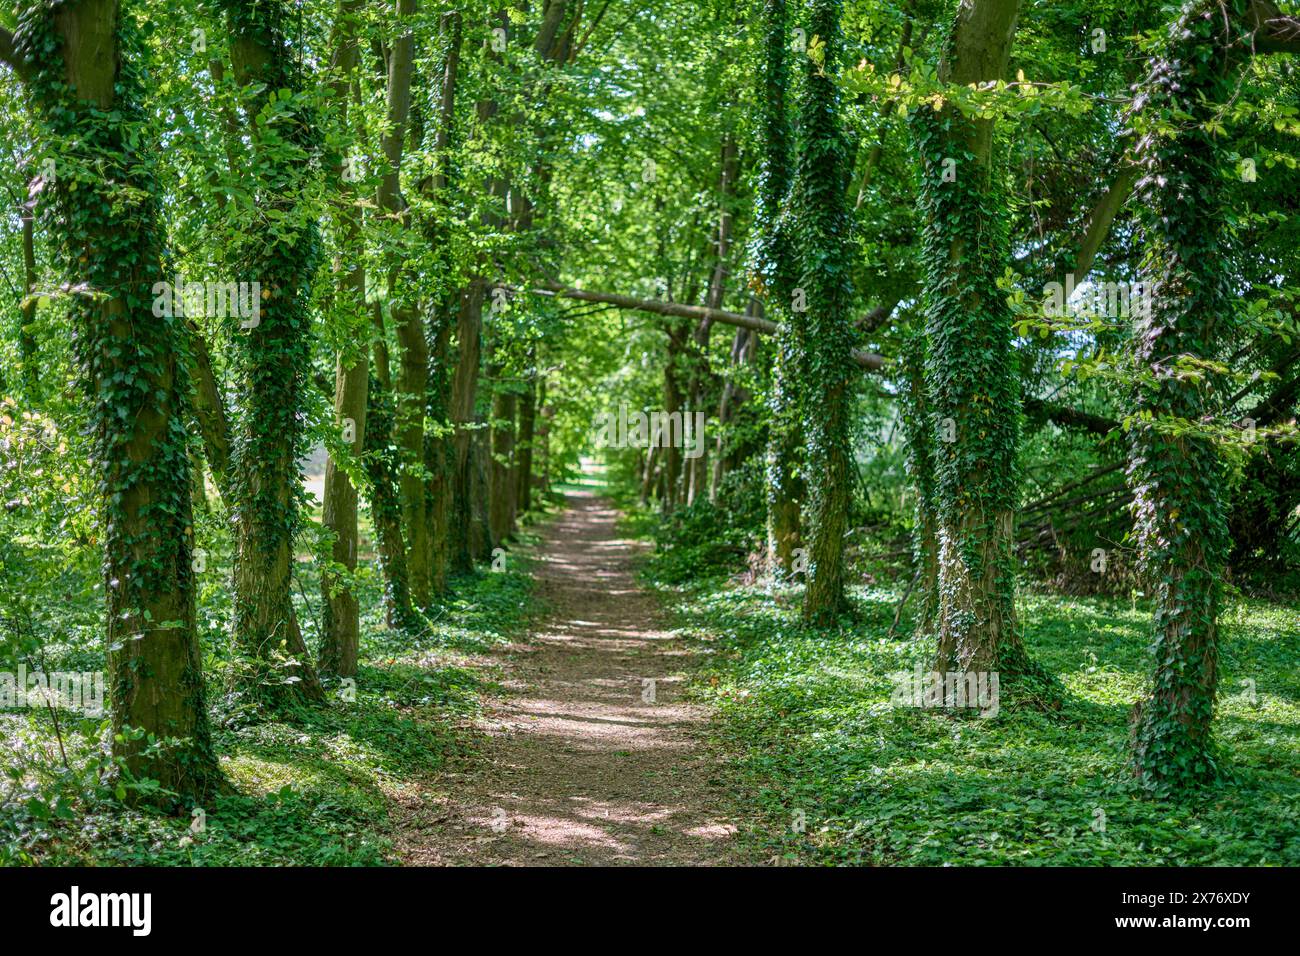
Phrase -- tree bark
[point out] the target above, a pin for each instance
(469, 325)
(524, 449)
(701, 374)
(920, 435)
(412, 380)
(438, 446)
(340, 618)
(28, 349)
(972, 385)
(385, 505)
(672, 456)
(273, 366)
(728, 453)
(136, 393)
(502, 483)
(822, 333)
(771, 273)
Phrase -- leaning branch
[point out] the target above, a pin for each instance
(10, 56)
(867, 360)
(1069, 417)
(1274, 32)
(1063, 416)
(1101, 219)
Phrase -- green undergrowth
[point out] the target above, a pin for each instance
(828, 772)
(313, 787)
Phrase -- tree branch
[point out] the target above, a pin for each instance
(1061, 415)
(10, 57)
(1102, 216)
(867, 360)
(1274, 32)
(1069, 417)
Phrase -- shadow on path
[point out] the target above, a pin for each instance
(594, 758)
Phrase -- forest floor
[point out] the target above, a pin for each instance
(592, 756)
(519, 727)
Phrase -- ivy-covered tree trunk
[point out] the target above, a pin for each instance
(385, 505)
(771, 274)
(501, 484)
(972, 384)
(469, 327)
(340, 614)
(411, 374)
(920, 437)
(785, 484)
(104, 210)
(823, 331)
(1175, 469)
(524, 448)
(438, 446)
(274, 355)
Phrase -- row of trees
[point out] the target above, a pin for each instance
(473, 225)
(950, 294)
(372, 170)
(967, 399)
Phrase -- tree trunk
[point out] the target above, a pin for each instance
(340, 625)
(438, 447)
(729, 453)
(823, 332)
(135, 391)
(412, 380)
(544, 433)
(274, 361)
(701, 374)
(385, 505)
(1177, 476)
(340, 617)
(920, 467)
(464, 388)
(481, 538)
(648, 476)
(672, 456)
(772, 274)
(502, 482)
(27, 346)
(524, 450)
(971, 383)
(412, 399)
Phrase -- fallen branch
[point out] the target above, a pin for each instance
(868, 360)
(1065, 417)
(1070, 417)
(898, 613)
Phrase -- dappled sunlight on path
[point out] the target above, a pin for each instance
(594, 757)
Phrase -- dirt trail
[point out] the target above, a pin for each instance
(585, 762)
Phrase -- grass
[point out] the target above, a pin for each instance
(830, 773)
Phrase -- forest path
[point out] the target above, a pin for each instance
(585, 763)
